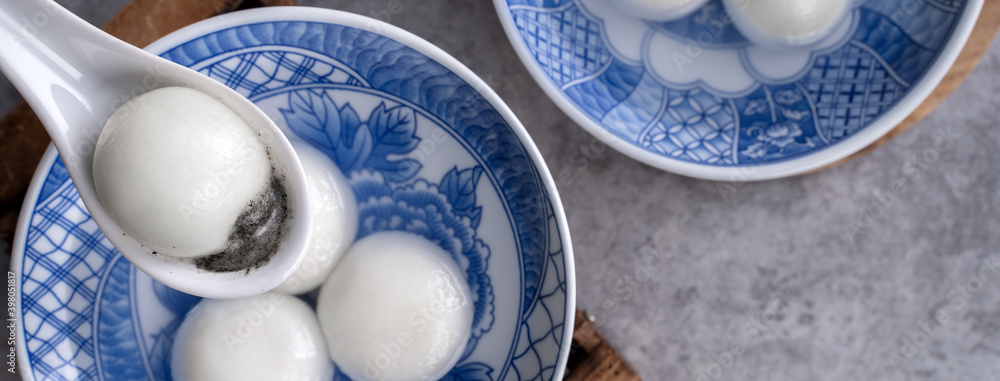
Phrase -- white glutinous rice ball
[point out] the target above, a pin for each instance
(175, 167)
(397, 307)
(659, 10)
(335, 220)
(272, 336)
(786, 24)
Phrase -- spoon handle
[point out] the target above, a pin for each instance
(51, 57)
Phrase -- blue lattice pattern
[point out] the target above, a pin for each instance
(566, 44)
(850, 88)
(255, 73)
(542, 329)
(695, 126)
(64, 258)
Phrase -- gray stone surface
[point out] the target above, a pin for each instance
(868, 271)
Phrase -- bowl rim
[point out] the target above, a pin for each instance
(17, 255)
(805, 164)
(336, 17)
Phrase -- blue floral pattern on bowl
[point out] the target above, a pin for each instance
(695, 91)
(423, 151)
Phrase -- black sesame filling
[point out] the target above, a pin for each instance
(256, 235)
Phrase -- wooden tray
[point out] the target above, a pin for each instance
(23, 140)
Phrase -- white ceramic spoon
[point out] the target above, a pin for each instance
(75, 76)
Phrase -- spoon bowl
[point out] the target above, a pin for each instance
(75, 76)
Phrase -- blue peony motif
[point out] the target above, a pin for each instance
(356, 144)
(430, 211)
(371, 153)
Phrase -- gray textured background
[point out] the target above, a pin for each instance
(868, 271)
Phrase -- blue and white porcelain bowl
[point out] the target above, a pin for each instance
(693, 96)
(427, 147)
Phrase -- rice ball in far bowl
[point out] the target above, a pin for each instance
(396, 307)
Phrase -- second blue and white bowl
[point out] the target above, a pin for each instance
(694, 97)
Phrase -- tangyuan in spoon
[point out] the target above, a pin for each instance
(188, 179)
